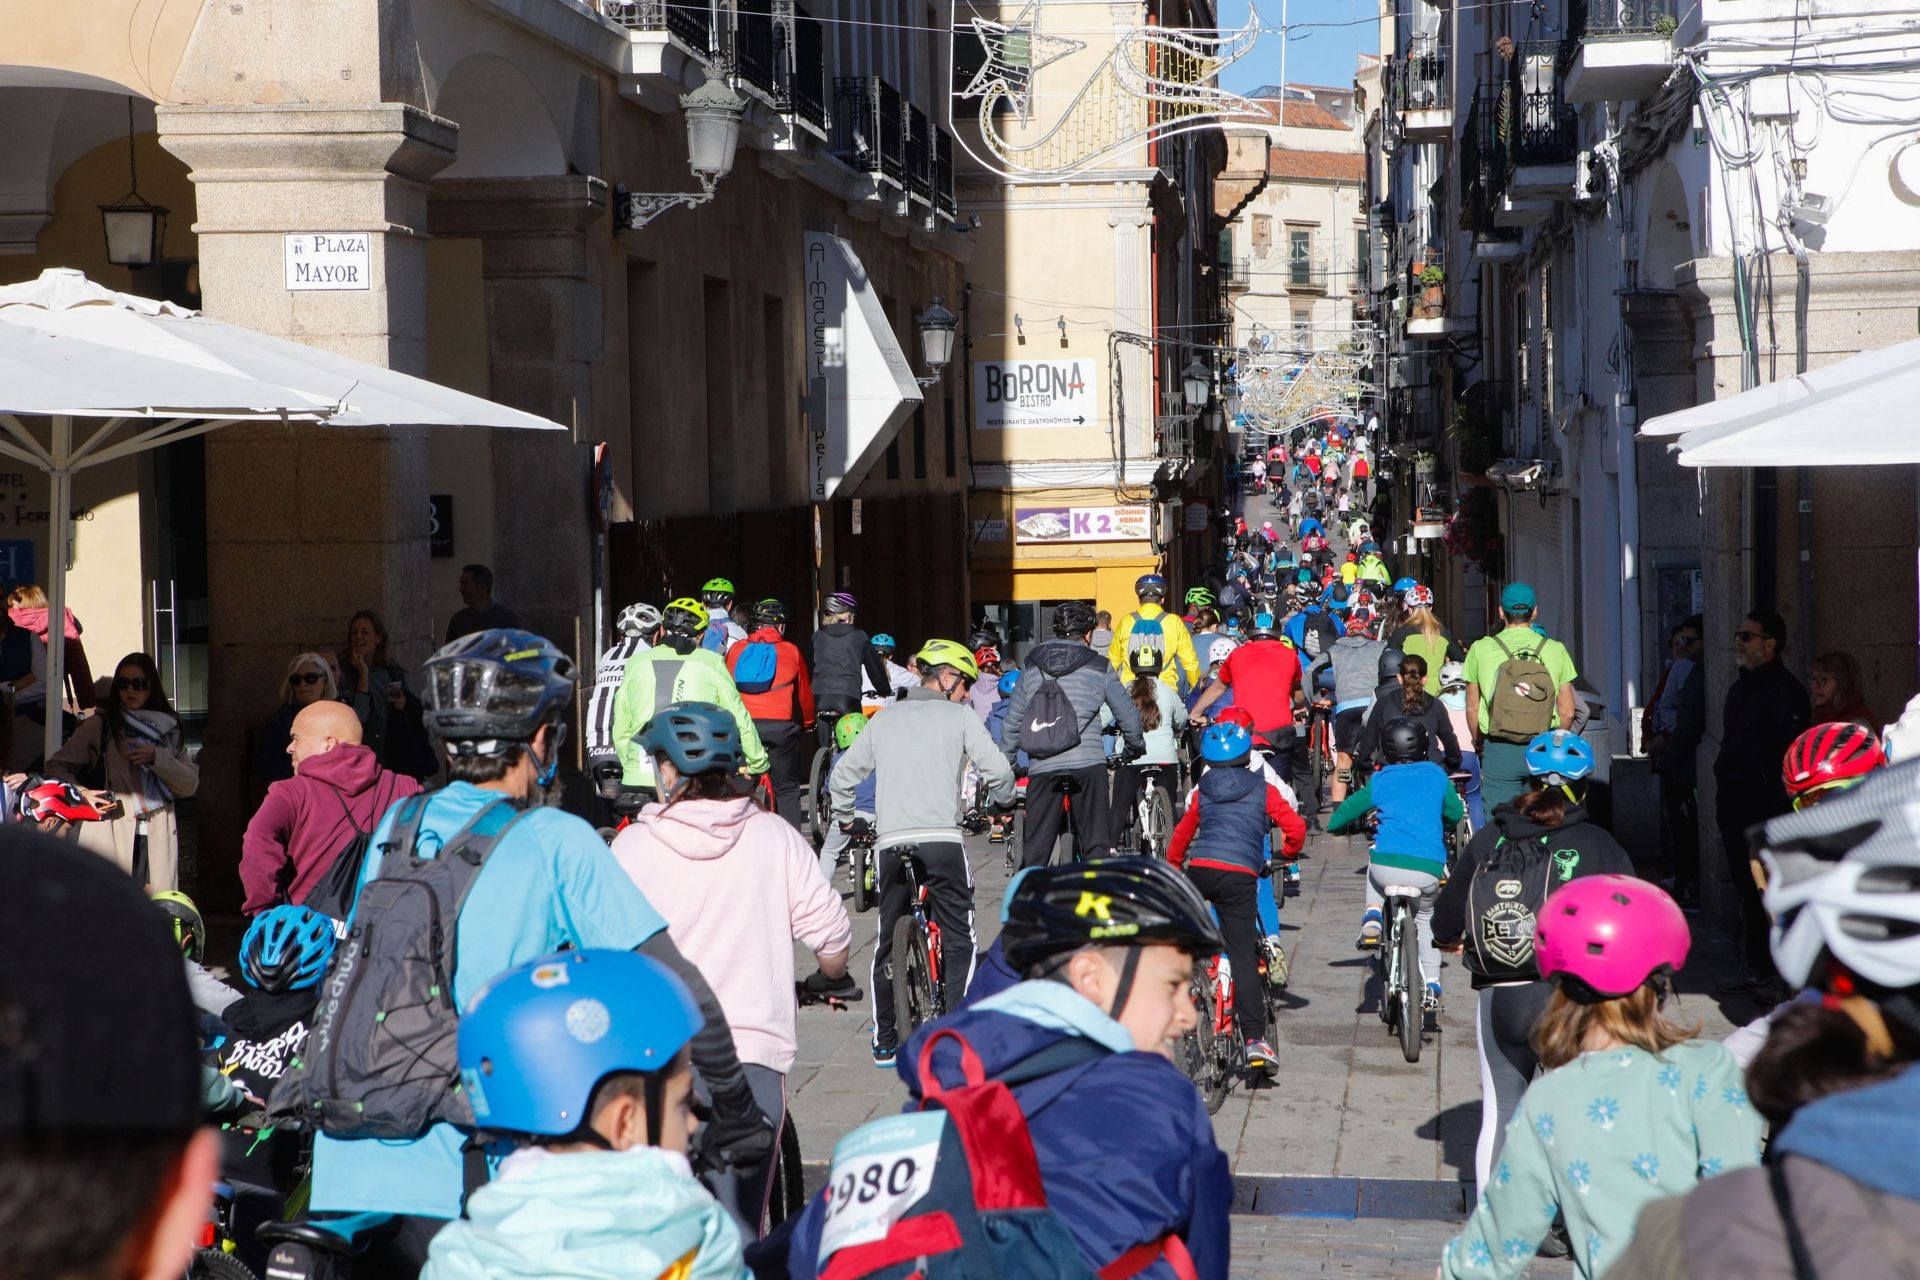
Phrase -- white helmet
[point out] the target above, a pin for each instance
(1453, 675)
(1843, 879)
(638, 620)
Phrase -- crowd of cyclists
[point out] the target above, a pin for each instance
(512, 1040)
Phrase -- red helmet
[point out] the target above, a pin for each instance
(1828, 755)
(986, 656)
(1235, 715)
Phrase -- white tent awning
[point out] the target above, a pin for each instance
(1837, 414)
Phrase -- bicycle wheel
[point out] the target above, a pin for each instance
(1197, 1054)
(1412, 988)
(1159, 820)
(212, 1264)
(787, 1194)
(813, 804)
(913, 1000)
(862, 864)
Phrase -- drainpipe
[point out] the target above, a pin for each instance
(1803, 478)
(1627, 471)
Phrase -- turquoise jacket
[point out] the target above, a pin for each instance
(600, 1215)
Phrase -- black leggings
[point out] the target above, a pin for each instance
(1507, 1062)
(1235, 898)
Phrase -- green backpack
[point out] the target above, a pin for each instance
(1522, 705)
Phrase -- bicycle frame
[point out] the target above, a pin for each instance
(921, 904)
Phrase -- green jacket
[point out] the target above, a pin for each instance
(699, 676)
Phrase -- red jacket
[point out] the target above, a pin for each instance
(309, 818)
(791, 698)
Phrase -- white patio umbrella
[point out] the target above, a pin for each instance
(1850, 412)
(149, 373)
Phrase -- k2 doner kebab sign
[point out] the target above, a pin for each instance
(1035, 393)
(1082, 524)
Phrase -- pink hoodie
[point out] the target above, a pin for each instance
(738, 887)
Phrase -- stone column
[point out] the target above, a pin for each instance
(545, 333)
(305, 525)
(1132, 305)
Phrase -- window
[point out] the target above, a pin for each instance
(1361, 254)
(1303, 330)
(1299, 256)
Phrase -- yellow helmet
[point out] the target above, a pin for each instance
(948, 653)
(691, 608)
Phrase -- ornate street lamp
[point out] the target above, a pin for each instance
(714, 112)
(936, 340)
(136, 229)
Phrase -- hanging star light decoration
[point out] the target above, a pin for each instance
(1015, 50)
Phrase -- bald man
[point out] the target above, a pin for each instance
(337, 794)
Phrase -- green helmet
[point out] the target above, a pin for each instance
(848, 728)
(717, 587)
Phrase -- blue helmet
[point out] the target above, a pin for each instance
(494, 689)
(1559, 758)
(1226, 744)
(1262, 626)
(1403, 585)
(697, 737)
(884, 641)
(1008, 680)
(1369, 548)
(286, 948)
(540, 1038)
(1150, 584)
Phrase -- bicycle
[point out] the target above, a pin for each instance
(914, 969)
(860, 836)
(1403, 991)
(213, 1256)
(1150, 825)
(816, 807)
(1214, 1053)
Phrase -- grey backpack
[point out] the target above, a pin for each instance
(380, 1060)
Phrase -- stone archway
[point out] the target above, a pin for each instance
(506, 129)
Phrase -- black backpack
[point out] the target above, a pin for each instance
(1504, 898)
(1052, 725)
(333, 893)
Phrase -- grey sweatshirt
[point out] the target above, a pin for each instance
(1356, 670)
(1089, 682)
(920, 746)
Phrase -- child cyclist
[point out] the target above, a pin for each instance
(1106, 949)
(1267, 904)
(1417, 805)
(738, 886)
(580, 1058)
(834, 847)
(1632, 1107)
(1220, 840)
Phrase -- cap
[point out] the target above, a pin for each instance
(88, 967)
(1518, 598)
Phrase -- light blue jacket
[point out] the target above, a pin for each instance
(599, 1215)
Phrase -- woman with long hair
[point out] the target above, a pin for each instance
(1410, 700)
(371, 683)
(1838, 689)
(1542, 838)
(1419, 631)
(1632, 1106)
(1163, 718)
(310, 679)
(133, 747)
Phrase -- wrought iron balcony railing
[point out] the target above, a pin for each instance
(944, 202)
(869, 126)
(1603, 18)
(919, 154)
(751, 43)
(690, 23)
(1419, 80)
(800, 64)
(1537, 123)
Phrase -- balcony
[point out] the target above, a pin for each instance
(1424, 289)
(1412, 419)
(1236, 276)
(1421, 91)
(1482, 179)
(1543, 130)
(944, 203)
(1308, 271)
(691, 24)
(869, 130)
(750, 45)
(1622, 49)
(919, 139)
(800, 67)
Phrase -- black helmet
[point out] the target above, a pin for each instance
(1403, 741)
(1072, 619)
(1055, 911)
(496, 686)
(769, 612)
(1390, 660)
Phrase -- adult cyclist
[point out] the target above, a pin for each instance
(773, 683)
(845, 664)
(675, 669)
(721, 630)
(635, 627)
(1154, 626)
(497, 701)
(918, 750)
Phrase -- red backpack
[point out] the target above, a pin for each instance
(954, 1190)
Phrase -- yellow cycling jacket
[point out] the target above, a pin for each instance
(699, 676)
(1180, 654)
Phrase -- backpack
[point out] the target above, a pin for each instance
(1053, 726)
(332, 894)
(1522, 704)
(757, 667)
(380, 1060)
(1505, 896)
(1147, 633)
(1317, 634)
(954, 1190)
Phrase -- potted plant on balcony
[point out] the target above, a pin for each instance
(1474, 532)
(1665, 25)
(1433, 291)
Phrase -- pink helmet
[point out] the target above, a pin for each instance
(1608, 935)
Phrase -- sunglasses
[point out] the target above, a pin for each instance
(131, 682)
(1749, 635)
(305, 677)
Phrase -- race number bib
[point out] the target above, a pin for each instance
(880, 1171)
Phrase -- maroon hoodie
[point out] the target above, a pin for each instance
(304, 822)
